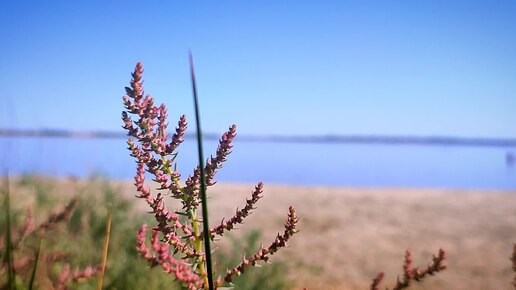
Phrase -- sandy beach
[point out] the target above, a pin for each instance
(348, 235)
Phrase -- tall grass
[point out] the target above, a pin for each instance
(204, 200)
(105, 251)
(8, 254)
(36, 260)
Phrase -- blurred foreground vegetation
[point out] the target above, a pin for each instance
(79, 241)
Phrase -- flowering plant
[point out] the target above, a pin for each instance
(177, 243)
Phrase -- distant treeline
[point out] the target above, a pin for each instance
(350, 139)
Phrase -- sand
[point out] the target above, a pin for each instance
(348, 235)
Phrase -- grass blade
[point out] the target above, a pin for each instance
(105, 251)
(206, 227)
(36, 259)
(9, 259)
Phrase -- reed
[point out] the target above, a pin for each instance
(36, 260)
(204, 200)
(8, 258)
(105, 251)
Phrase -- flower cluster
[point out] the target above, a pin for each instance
(264, 253)
(160, 255)
(239, 216)
(179, 251)
(413, 274)
(66, 275)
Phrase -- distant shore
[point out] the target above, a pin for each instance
(349, 139)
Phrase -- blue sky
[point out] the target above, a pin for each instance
(271, 67)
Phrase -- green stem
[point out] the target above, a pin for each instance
(9, 249)
(192, 216)
(198, 246)
(33, 275)
(204, 202)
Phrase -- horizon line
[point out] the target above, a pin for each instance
(324, 138)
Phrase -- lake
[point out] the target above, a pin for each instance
(332, 164)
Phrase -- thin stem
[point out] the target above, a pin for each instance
(198, 246)
(105, 250)
(9, 247)
(204, 202)
(33, 275)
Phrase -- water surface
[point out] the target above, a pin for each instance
(334, 164)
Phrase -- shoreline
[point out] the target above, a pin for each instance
(121, 181)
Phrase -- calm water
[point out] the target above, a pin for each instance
(286, 163)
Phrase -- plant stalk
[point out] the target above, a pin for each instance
(105, 250)
(204, 201)
(36, 259)
(9, 260)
